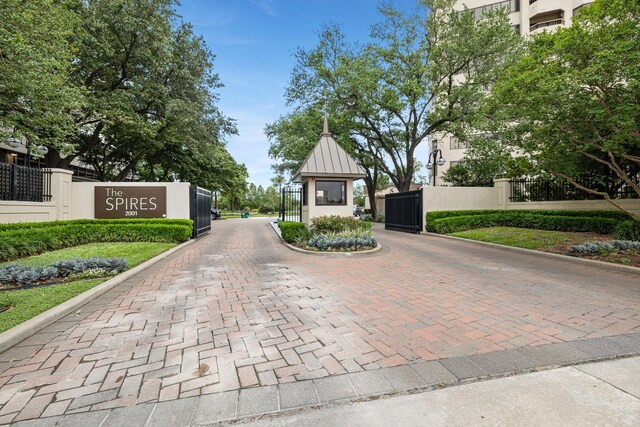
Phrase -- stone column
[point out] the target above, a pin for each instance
(503, 190)
(61, 192)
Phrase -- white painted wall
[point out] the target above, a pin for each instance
(82, 202)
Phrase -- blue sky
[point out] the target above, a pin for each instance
(254, 42)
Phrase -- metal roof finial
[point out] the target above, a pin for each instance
(325, 128)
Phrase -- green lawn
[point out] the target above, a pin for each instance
(518, 237)
(134, 252)
(28, 303)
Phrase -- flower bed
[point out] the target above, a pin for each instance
(330, 234)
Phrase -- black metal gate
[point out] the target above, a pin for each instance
(200, 207)
(403, 211)
(291, 204)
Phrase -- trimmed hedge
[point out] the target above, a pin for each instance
(32, 225)
(337, 224)
(593, 214)
(22, 240)
(604, 222)
(291, 230)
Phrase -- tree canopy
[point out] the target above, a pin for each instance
(571, 103)
(130, 91)
(421, 73)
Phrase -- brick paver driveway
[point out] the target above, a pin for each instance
(237, 310)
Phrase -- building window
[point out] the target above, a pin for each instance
(577, 9)
(331, 193)
(305, 194)
(456, 144)
(512, 5)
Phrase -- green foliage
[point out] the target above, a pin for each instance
(604, 223)
(19, 275)
(337, 224)
(517, 237)
(394, 91)
(339, 241)
(292, 231)
(36, 94)
(28, 303)
(598, 247)
(570, 103)
(124, 86)
(628, 230)
(28, 240)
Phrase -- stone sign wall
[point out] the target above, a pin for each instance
(130, 202)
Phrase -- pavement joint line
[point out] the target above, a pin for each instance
(591, 262)
(605, 381)
(24, 330)
(320, 253)
(410, 391)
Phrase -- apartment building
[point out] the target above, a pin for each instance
(527, 17)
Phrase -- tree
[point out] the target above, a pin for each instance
(572, 101)
(420, 74)
(149, 96)
(485, 160)
(36, 48)
(294, 136)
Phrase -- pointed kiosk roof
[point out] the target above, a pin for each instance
(328, 159)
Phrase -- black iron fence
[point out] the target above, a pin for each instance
(291, 204)
(200, 207)
(546, 190)
(403, 211)
(24, 184)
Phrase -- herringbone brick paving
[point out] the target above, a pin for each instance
(238, 310)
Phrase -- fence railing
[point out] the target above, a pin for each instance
(545, 24)
(24, 184)
(545, 190)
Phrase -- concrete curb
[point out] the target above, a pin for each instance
(325, 254)
(591, 262)
(24, 330)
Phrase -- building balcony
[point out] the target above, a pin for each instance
(541, 26)
(537, 7)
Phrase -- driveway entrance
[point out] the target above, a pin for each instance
(238, 310)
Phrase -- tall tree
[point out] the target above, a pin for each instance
(36, 48)
(420, 74)
(294, 136)
(573, 101)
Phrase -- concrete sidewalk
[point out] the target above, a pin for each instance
(595, 394)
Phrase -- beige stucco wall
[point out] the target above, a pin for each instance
(56, 209)
(497, 197)
(82, 203)
(578, 205)
(458, 198)
(311, 210)
(12, 212)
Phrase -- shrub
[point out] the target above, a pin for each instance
(292, 231)
(265, 209)
(523, 219)
(27, 240)
(628, 230)
(600, 247)
(336, 241)
(380, 218)
(337, 224)
(366, 217)
(16, 274)
(430, 216)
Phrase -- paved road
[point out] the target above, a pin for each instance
(238, 310)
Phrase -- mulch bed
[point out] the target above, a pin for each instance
(631, 258)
